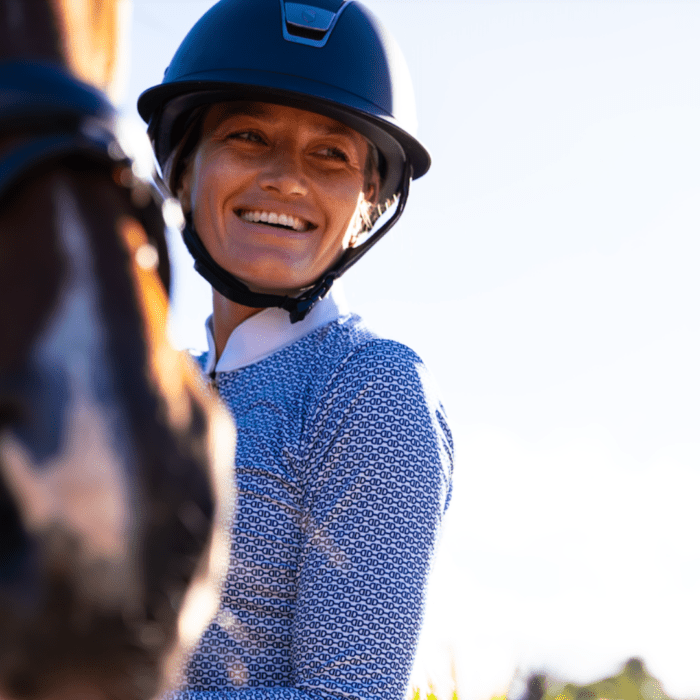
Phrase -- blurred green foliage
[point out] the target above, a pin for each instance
(633, 682)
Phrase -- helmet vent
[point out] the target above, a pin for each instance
(308, 24)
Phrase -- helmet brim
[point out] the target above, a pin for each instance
(162, 105)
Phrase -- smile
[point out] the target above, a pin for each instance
(273, 219)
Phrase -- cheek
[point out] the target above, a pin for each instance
(207, 169)
(344, 201)
(207, 191)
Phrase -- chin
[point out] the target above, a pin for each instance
(273, 283)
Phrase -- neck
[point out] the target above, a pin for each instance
(227, 316)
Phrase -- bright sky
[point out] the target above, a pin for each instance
(546, 269)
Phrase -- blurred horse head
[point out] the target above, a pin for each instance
(115, 461)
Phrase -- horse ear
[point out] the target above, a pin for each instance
(94, 36)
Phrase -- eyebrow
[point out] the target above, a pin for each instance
(259, 110)
(337, 129)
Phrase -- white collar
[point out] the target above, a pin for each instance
(271, 330)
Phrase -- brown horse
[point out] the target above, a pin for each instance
(114, 499)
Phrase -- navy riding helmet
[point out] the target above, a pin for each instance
(332, 57)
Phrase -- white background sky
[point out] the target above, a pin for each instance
(546, 269)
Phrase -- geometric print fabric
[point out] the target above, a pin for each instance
(344, 468)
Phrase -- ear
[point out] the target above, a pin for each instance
(183, 188)
(371, 189)
(370, 196)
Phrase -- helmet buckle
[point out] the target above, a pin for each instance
(308, 24)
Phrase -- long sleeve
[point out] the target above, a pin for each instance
(379, 459)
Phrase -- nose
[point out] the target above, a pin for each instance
(283, 172)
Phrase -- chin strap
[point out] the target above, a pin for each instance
(298, 307)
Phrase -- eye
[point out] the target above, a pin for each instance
(245, 136)
(333, 153)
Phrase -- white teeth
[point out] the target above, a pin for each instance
(273, 218)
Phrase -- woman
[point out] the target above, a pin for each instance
(285, 130)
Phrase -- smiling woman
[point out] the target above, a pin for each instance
(276, 193)
(282, 147)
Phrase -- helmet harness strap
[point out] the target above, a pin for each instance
(298, 307)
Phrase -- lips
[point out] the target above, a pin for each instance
(288, 221)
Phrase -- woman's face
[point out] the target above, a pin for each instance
(275, 192)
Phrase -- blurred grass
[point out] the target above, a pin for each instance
(430, 694)
(418, 694)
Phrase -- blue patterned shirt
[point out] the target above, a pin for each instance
(343, 465)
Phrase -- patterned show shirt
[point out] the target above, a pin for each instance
(343, 465)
